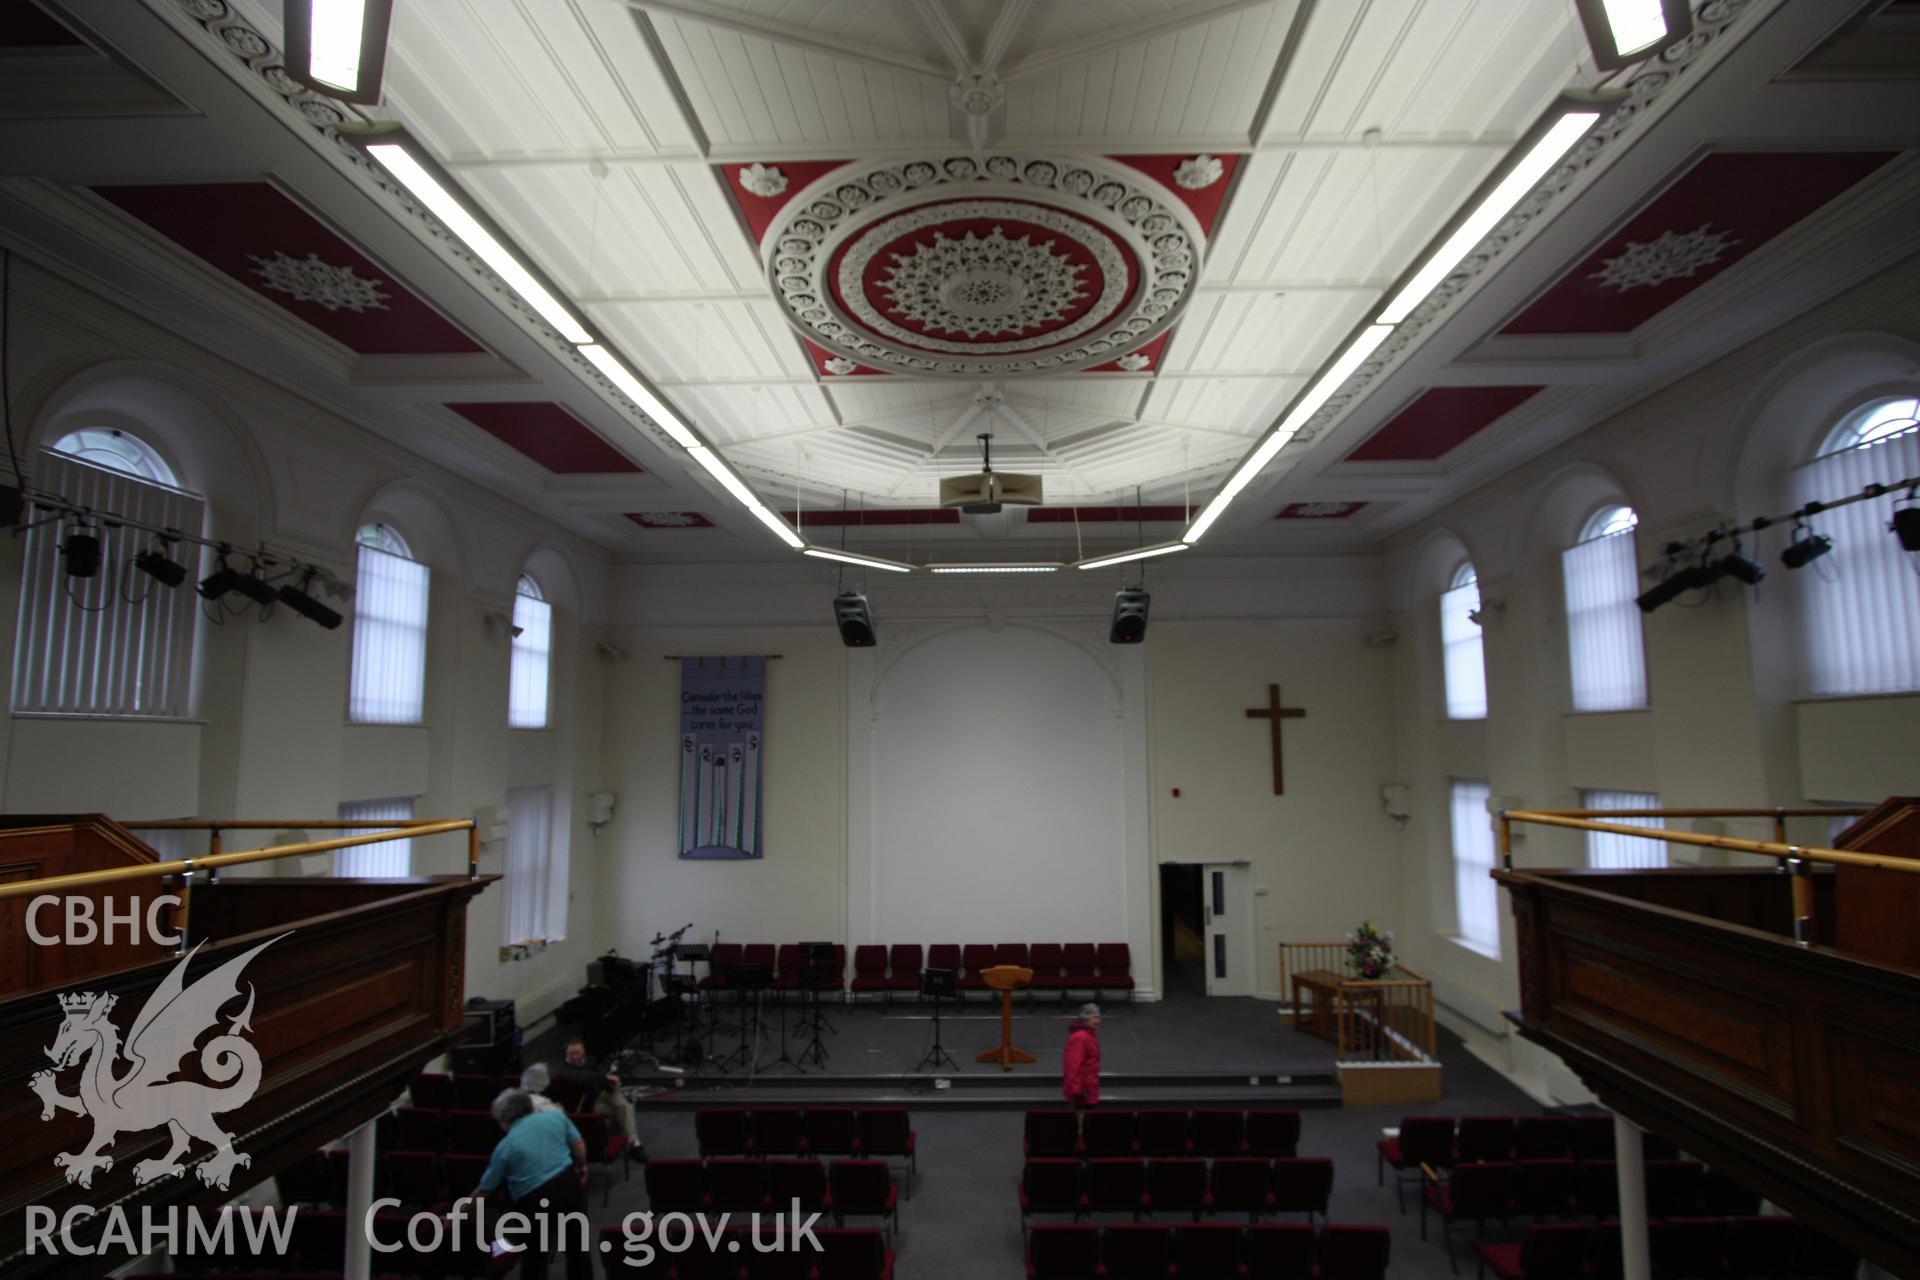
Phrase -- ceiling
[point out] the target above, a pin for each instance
(846, 237)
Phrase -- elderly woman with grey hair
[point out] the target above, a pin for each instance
(543, 1162)
(1080, 1064)
(534, 1080)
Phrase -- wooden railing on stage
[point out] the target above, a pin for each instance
(1380, 1019)
(1772, 1032)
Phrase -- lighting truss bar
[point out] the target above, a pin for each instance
(854, 557)
(1138, 553)
(1910, 485)
(995, 568)
(338, 47)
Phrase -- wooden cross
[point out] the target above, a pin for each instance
(1274, 713)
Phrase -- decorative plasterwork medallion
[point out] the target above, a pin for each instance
(972, 268)
(309, 279)
(1134, 362)
(763, 180)
(1670, 256)
(1199, 172)
(839, 366)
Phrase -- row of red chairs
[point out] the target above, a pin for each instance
(1163, 1131)
(1748, 1247)
(438, 1091)
(862, 1188)
(1501, 1190)
(787, 1131)
(1058, 967)
(317, 1245)
(1441, 1142)
(845, 1253)
(1147, 1251)
(1179, 1185)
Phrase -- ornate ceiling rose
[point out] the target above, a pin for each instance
(966, 268)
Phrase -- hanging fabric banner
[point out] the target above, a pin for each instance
(722, 707)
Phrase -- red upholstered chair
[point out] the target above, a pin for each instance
(1354, 1253)
(1136, 1250)
(834, 978)
(1673, 1188)
(1822, 1258)
(463, 1173)
(830, 1131)
(1014, 953)
(1239, 1184)
(432, 1089)
(1593, 1137)
(778, 1131)
(1596, 1189)
(1422, 1140)
(1116, 1186)
(853, 1255)
(887, 1134)
(318, 1238)
(1209, 1251)
(1273, 1133)
(724, 956)
(1605, 1261)
(1762, 1247)
(1687, 1248)
(796, 1263)
(705, 1259)
(1280, 1250)
(1557, 1252)
(1218, 1132)
(759, 954)
(1483, 1138)
(1116, 968)
(1063, 1251)
(1475, 1193)
(676, 1186)
(1722, 1197)
(789, 968)
(1107, 1133)
(869, 971)
(975, 959)
(1543, 1138)
(724, 1131)
(472, 1133)
(1049, 965)
(1051, 1186)
(863, 1188)
(737, 1185)
(944, 955)
(1161, 1131)
(604, 1148)
(904, 961)
(791, 1180)
(412, 1177)
(1177, 1186)
(1302, 1185)
(1083, 967)
(1543, 1188)
(474, 1092)
(1052, 1131)
(310, 1180)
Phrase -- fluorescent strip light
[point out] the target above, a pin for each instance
(635, 390)
(865, 562)
(1362, 346)
(1138, 553)
(714, 465)
(1532, 167)
(333, 42)
(413, 175)
(1636, 24)
(781, 529)
(995, 568)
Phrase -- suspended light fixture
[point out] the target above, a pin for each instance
(81, 550)
(1623, 32)
(157, 565)
(338, 47)
(1138, 553)
(854, 557)
(297, 599)
(1806, 547)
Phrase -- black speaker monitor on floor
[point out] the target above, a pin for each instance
(1129, 616)
(855, 619)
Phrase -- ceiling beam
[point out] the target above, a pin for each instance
(939, 445)
(952, 43)
(630, 297)
(1006, 25)
(750, 24)
(1020, 424)
(1125, 33)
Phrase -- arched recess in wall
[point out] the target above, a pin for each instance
(1430, 572)
(419, 513)
(552, 566)
(1560, 511)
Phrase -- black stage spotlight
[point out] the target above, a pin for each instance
(1806, 547)
(81, 548)
(297, 599)
(1129, 624)
(155, 565)
(220, 581)
(255, 588)
(1906, 527)
(855, 619)
(1738, 567)
(1672, 587)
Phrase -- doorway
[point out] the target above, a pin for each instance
(1206, 928)
(1183, 930)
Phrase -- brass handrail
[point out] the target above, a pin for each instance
(1778, 813)
(278, 824)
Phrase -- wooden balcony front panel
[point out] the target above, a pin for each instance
(361, 986)
(1796, 1069)
(38, 846)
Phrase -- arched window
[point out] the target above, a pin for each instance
(114, 640)
(530, 676)
(1861, 621)
(1476, 898)
(1604, 653)
(1464, 659)
(389, 681)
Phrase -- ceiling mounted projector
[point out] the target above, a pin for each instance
(983, 493)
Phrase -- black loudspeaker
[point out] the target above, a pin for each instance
(1129, 616)
(856, 621)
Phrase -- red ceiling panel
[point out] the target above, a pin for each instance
(261, 238)
(820, 356)
(1439, 421)
(1205, 202)
(1151, 351)
(550, 436)
(1105, 515)
(1724, 208)
(762, 211)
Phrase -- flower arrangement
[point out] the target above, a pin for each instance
(1371, 951)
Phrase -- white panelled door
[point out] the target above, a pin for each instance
(1226, 891)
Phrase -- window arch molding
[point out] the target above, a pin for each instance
(553, 567)
(1561, 509)
(419, 515)
(1439, 555)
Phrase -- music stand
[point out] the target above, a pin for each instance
(745, 980)
(937, 984)
(817, 971)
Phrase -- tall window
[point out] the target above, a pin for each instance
(1609, 851)
(1465, 660)
(530, 880)
(530, 676)
(389, 631)
(1609, 667)
(1476, 898)
(1862, 618)
(389, 858)
(118, 642)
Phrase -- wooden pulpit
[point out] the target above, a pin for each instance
(1006, 979)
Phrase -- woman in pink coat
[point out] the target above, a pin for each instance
(1080, 1073)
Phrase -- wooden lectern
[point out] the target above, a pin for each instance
(1006, 979)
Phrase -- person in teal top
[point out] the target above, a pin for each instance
(543, 1162)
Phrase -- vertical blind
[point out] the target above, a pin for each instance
(529, 864)
(1609, 851)
(391, 858)
(1476, 898)
(389, 640)
(529, 676)
(119, 643)
(1861, 623)
(1465, 668)
(1604, 653)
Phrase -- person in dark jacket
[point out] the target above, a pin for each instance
(1080, 1071)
